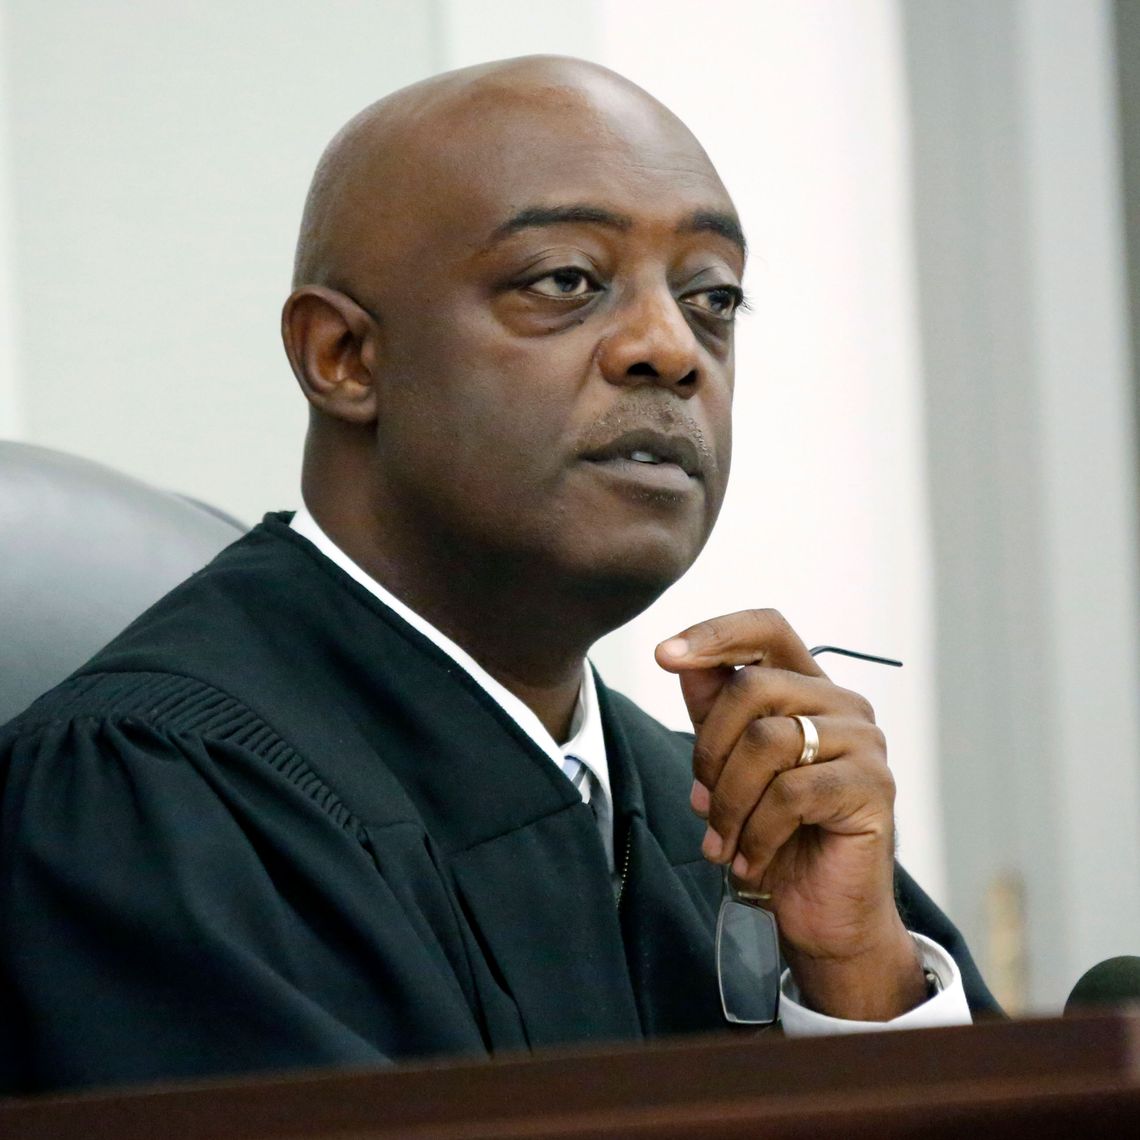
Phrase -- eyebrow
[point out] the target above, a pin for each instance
(717, 222)
(538, 216)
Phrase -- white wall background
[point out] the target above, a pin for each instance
(158, 157)
(153, 161)
(11, 422)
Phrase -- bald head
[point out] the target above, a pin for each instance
(509, 280)
(377, 185)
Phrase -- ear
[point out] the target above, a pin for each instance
(332, 345)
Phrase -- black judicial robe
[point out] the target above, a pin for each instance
(271, 825)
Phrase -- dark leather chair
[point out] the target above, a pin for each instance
(83, 551)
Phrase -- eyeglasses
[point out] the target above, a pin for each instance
(748, 963)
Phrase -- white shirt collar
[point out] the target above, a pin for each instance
(587, 739)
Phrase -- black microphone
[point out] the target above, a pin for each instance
(1113, 982)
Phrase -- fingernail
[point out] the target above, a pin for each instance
(699, 798)
(740, 867)
(675, 647)
(712, 845)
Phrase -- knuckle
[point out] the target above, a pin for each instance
(877, 785)
(885, 799)
(887, 783)
(752, 846)
(765, 625)
(772, 618)
(740, 682)
(758, 736)
(826, 781)
(859, 705)
(718, 630)
(750, 686)
(878, 742)
(780, 629)
(724, 816)
(732, 804)
(869, 742)
(784, 793)
(704, 763)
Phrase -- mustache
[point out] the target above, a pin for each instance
(667, 420)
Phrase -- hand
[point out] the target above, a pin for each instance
(818, 839)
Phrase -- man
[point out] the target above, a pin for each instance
(350, 794)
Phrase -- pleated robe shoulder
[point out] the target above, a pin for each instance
(271, 826)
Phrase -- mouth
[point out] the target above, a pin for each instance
(650, 449)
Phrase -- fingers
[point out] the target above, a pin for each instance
(761, 770)
(707, 654)
(743, 676)
(841, 798)
(758, 693)
(749, 637)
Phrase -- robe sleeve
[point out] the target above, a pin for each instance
(169, 910)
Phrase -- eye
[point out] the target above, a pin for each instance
(567, 282)
(720, 301)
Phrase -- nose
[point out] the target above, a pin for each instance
(651, 342)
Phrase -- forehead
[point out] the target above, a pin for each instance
(500, 152)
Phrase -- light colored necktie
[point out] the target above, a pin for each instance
(581, 777)
(594, 797)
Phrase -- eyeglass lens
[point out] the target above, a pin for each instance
(747, 963)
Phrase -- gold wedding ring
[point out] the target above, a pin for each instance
(811, 740)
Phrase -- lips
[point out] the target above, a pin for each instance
(651, 449)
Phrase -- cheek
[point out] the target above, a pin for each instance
(495, 413)
(519, 392)
(724, 443)
(717, 413)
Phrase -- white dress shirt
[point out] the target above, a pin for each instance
(587, 744)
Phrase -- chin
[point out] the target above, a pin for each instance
(620, 584)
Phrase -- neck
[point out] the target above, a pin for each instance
(523, 646)
(526, 621)
(524, 642)
(523, 637)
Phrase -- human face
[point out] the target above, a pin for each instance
(557, 342)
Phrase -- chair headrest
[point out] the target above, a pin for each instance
(83, 551)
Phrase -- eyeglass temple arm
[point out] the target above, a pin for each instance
(853, 653)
